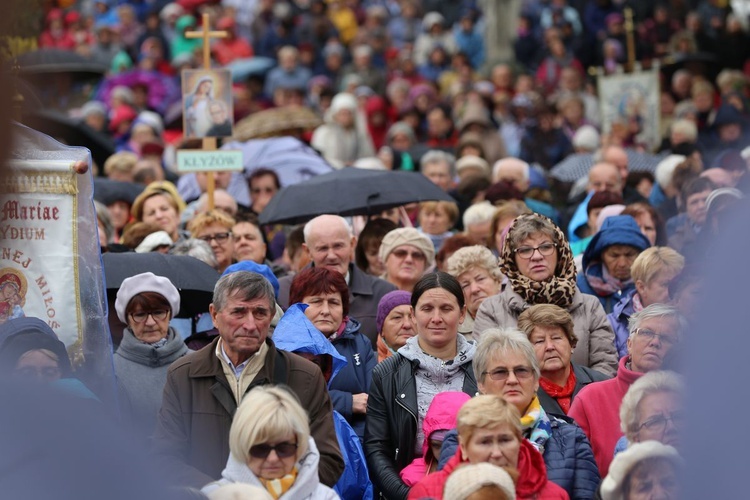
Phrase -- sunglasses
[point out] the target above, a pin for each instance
(283, 450)
(401, 254)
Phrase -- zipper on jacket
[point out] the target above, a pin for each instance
(416, 420)
(395, 459)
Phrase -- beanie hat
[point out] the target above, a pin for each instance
(469, 161)
(407, 236)
(146, 282)
(254, 267)
(153, 241)
(388, 303)
(468, 479)
(613, 485)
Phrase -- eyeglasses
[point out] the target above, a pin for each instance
(545, 250)
(219, 237)
(402, 254)
(283, 450)
(501, 374)
(140, 317)
(650, 335)
(659, 422)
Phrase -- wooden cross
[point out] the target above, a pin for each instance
(209, 143)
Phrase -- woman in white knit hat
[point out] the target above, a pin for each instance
(407, 254)
(647, 470)
(146, 302)
(482, 480)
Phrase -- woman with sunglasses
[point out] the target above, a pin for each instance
(145, 303)
(270, 446)
(406, 255)
(538, 263)
(505, 365)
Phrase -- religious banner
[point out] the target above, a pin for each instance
(629, 106)
(50, 261)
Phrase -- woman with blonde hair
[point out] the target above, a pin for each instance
(271, 447)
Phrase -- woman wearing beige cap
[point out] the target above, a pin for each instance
(407, 255)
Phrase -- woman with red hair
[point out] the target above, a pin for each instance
(327, 297)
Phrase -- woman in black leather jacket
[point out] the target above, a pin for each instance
(437, 359)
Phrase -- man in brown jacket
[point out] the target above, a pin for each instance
(204, 388)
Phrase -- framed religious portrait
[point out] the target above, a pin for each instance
(207, 103)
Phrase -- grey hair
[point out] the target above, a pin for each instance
(437, 156)
(400, 128)
(102, 214)
(529, 226)
(307, 231)
(479, 213)
(657, 311)
(650, 383)
(500, 341)
(197, 249)
(474, 256)
(245, 286)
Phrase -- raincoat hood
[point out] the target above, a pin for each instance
(296, 333)
(617, 230)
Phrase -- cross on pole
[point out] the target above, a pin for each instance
(209, 143)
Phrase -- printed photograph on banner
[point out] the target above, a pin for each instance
(630, 105)
(207, 103)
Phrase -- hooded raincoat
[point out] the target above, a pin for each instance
(295, 333)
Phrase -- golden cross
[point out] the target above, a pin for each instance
(206, 34)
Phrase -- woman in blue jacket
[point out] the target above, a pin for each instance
(327, 296)
(295, 333)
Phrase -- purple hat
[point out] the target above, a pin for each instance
(390, 301)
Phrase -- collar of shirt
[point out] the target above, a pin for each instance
(236, 369)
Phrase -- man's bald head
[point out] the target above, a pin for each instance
(617, 157)
(719, 176)
(605, 177)
(222, 200)
(512, 170)
(330, 242)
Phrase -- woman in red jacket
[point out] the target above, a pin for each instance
(489, 430)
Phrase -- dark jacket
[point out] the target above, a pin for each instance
(567, 455)
(191, 440)
(584, 376)
(365, 292)
(392, 422)
(355, 376)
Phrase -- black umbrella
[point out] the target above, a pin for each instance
(72, 132)
(193, 278)
(107, 191)
(349, 191)
(52, 61)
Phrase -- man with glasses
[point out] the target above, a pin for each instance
(205, 387)
(654, 333)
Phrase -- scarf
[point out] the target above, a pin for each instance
(603, 283)
(340, 331)
(277, 487)
(384, 350)
(561, 287)
(563, 395)
(637, 304)
(536, 426)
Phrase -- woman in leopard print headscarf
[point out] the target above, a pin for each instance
(538, 262)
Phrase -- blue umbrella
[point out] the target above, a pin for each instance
(291, 159)
(242, 69)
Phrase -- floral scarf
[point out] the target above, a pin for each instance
(560, 288)
(563, 395)
(277, 487)
(603, 283)
(536, 426)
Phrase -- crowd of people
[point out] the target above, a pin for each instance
(522, 341)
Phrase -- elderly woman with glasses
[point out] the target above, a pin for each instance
(654, 334)
(538, 263)
(270, 446)
(549, 328)
(652, 410)
(476, 270)
(505, 365)
(145, 303)
(406, 254)
(489, 431)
